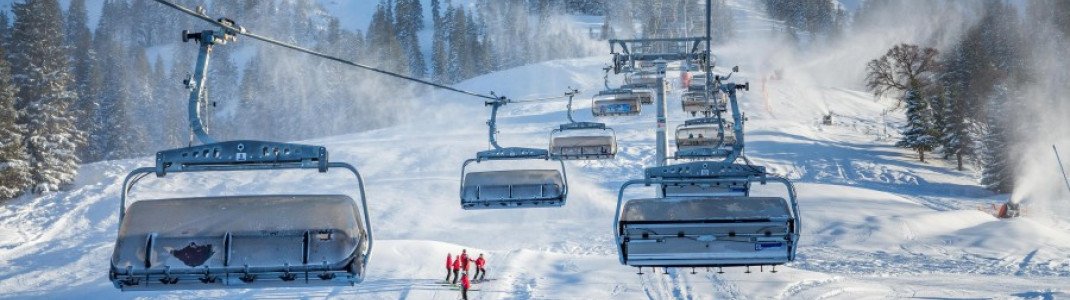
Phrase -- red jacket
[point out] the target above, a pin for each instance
(449, 261)
(457, 265)
(464, 261)
(480, 262)
(464, 282)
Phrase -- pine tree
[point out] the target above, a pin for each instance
(46, 93)
(997, 166)
(918, 132)
(458, 44)
(5, 31)
(15, 176)
(409, 21)
(79, 42)
(438, 43)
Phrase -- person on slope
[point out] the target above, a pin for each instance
(449, 265)
(480, 264)
(464, 260)
(456, 269)
(465, 284)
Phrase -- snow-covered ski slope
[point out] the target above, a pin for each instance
(876, 223)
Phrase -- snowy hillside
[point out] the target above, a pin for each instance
(876, 222)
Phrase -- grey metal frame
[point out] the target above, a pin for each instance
(499, 153)
(693, 174)
(633, 99)
(572, 125)
(232, 156)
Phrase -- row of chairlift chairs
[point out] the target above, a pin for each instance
(704, 218)
(704, 215)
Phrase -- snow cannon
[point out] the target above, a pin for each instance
(241, 241)
(1009, 209)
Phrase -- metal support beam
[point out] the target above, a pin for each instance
(662, 139)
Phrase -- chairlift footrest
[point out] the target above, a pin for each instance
(241, 155)
(705, 169)
(513, 153)
(582, 125)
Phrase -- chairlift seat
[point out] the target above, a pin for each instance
(583, 147)
(628, 104)
(240, 242)
(707, 232)
(512, 188)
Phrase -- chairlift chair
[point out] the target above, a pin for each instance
(696, 102)
(238, 241)
(704, 138)
(706, 218)
(643, 78)
(646, 94)
(515, 188)
(582, 140)
(616, 102)
(243, 241)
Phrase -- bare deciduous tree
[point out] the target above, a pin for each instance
(904, 68)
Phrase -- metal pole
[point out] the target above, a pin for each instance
(709, 40)
(1061, 168)
(662, 146)
(200, 78)
(660, 103)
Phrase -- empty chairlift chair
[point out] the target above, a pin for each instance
(696, 102)
(646, 94)
(514, 188)
(704, 138)
(616, 102)
(707, 219)
(242, 241)
(582, 140)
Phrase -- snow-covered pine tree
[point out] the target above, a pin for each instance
(958, 137)
(15, 177)
(46, 93)
(79, 41)
(997, 166)
(458, 43)
(918, 131)
(383, 44)
(438, 43)
(5, 31)
(409, 21)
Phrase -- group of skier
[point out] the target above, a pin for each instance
(457, 268)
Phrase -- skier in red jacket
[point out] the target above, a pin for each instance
(464, 260)
(465, 284)
(480, 263)
(456, 269)
(449, 265)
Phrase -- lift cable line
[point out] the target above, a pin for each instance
(233, 29)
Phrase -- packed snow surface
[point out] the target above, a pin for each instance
(876, 223)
